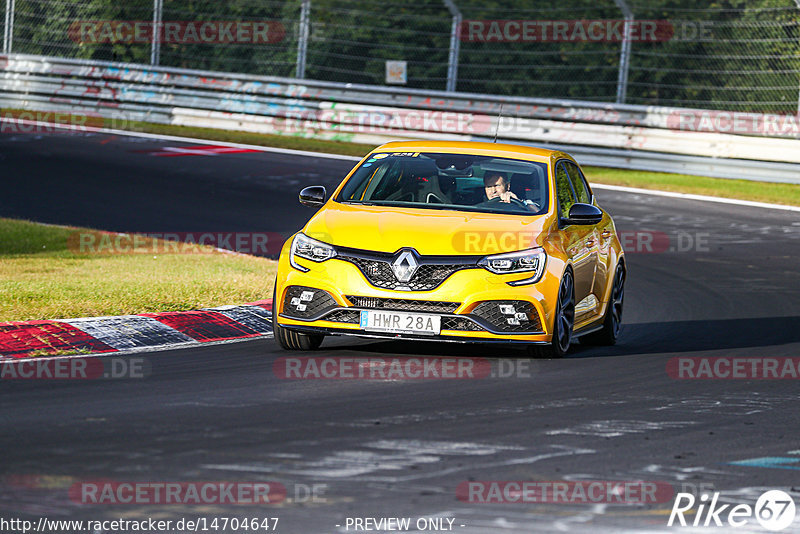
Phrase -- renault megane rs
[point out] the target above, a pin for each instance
(454, 241)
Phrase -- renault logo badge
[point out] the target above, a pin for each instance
(404, 266)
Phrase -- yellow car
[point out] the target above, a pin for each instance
(454, 241)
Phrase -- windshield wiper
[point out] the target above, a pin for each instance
(358, 202)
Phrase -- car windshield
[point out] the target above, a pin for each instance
(462, 182)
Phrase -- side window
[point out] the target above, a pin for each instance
(566, 197)
(579, 183)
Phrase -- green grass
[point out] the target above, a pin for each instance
(774, 193)
(43, 275)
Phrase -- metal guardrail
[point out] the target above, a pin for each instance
(614, 135)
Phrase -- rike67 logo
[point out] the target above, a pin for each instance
(774, 510)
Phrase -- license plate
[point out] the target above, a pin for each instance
(400, 323)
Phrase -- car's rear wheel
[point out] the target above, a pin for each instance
(291, 339)
(612, 322)
(562, 323)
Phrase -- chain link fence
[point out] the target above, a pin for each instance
(730, 55)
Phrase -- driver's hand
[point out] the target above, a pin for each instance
(507, 196)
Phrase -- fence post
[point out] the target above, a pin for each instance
(155, 41)
(797, 3)
(8, 34)
(625, 52)
(455, 45)
(302, 38)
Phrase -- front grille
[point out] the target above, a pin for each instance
(459, 323)
(502, 316)
(344, 316)
(403, 304)
(306, 302)
(431, 272)
(511, 316)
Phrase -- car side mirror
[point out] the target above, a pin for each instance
(584, 214)
(313, 196)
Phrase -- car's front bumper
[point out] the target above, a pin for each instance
(442, 338)
(470, 300)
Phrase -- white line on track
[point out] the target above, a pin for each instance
(163, 137)
(655, 192)
(687, 196)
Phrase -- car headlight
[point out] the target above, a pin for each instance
(531, 261)
(309, 249)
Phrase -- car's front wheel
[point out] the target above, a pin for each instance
(562, 323)
(291, 339)
(612, 321)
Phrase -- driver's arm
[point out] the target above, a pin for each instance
(530, 204)
(507, 196)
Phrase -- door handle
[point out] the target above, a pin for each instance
(606, 234)
(590, 242)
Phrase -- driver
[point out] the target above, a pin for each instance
(496, 185)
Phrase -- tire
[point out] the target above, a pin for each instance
(562, 323)
(612, 321)
(291, 339)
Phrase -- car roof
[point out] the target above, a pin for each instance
(471, 147)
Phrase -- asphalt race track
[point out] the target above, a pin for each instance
(131, 184)
(726, 284)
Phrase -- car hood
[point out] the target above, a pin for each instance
(429, 231)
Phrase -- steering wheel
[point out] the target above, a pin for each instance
(497, 200)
